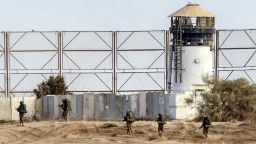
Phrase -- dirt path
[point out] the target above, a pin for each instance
(176, 132)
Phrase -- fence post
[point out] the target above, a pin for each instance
(60, 53)
(7, 62)
(217, 54)
(114, 61)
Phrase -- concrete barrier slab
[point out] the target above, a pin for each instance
(88, 106)
(44, 107)
(72, 99)
(115, 107)
(38, 109)
(130, 102)
(15, 102)
(125, 104)
(142, 105)
(50, 105)
(57, 109)
(5, 109)
(101, 111)
(161, 106)
(30, 103)
(152, 105)
(134, 104)
(79, 106)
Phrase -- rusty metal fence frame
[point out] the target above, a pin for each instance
(18, 69)
(161, 40)
(241, 40)
(106, 47)
(15, 47)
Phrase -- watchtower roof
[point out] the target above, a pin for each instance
(192, 10)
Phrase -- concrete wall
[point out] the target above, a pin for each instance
(51, 109)
(8, 108)
(114, 107)
(100, 106)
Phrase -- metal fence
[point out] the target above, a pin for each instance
(236, 54)
(109, 61)
(90, 61)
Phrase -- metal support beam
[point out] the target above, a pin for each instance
(7, 64)
(60, 51)
(114, 63)
(167, 85)
(217, 54)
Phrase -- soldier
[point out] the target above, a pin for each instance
(161, 123)
(206, 124)
(129, 118)
(66, 107)
(22, 109)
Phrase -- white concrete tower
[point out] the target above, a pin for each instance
(191, 55)
(192, 29)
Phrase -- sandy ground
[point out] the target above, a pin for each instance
(176, 132)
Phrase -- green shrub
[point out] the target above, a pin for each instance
(227, 99)
(53, 86)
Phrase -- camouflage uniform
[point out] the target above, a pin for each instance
(129, 118)
(161, 123)
(22, 109)
(66, 108)
(206, 124)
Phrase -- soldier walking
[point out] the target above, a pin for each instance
(66, 107)
(206, 124)
(129, 118)
(161, 122)
(22, 109)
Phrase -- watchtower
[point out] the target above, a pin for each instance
(192, 30)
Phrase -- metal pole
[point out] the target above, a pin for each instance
(166, 60)
(7, 64)
(217, 54)
(60, 51)
(114, 63)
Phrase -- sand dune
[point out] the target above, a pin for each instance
(95, 132)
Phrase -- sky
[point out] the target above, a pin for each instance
(108, 15)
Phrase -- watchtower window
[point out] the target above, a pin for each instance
(184, 22)
(201, 22)
(205, 22)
